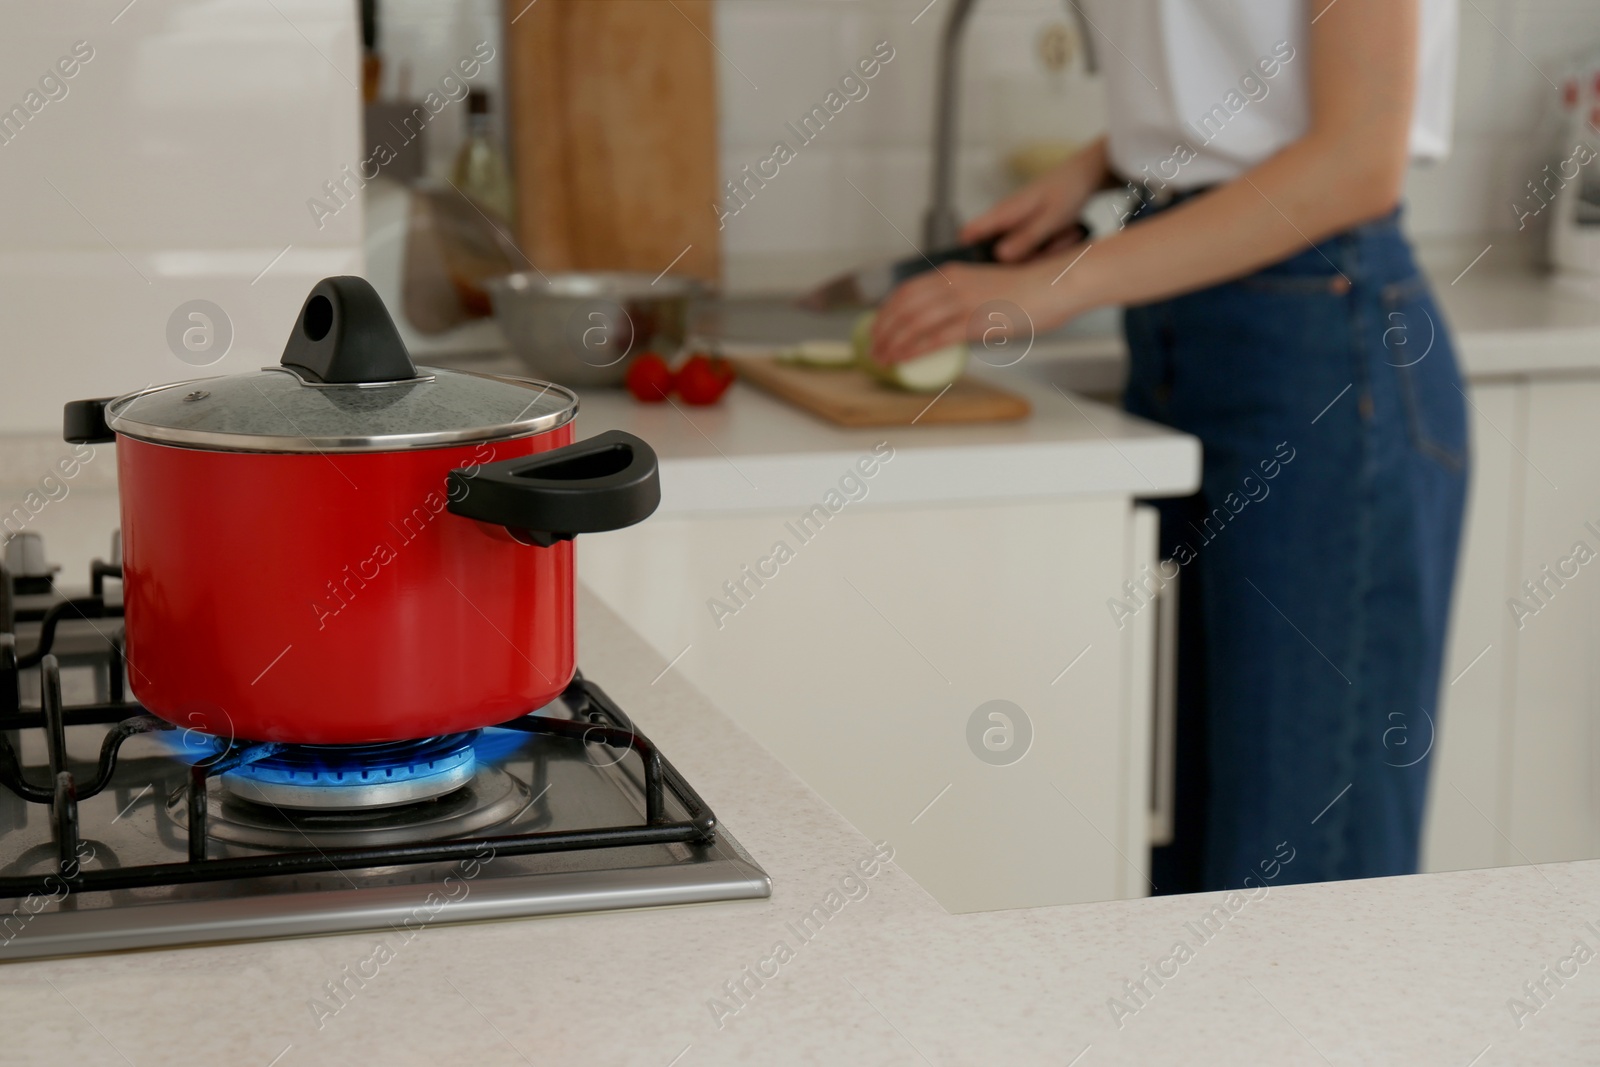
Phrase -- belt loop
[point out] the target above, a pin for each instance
(1350, 252)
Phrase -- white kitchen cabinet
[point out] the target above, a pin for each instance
(862, 662)
(1554, 747)
(1518, 758)
(1468, 797)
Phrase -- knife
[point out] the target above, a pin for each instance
(868, 286)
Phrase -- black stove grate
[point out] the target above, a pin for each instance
(595, 719)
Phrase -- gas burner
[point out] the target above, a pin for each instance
(345, 777)
(171, 837)
(486, 799)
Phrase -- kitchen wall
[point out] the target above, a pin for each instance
(173, 165)
(860, 188)
(1511, 52)
(780, 57)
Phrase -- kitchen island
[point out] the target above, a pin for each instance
(956, 624)
(1441, 968)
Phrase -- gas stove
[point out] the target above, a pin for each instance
(120, 830)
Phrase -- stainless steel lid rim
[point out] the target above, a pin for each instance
(310, 446)
(559, 407)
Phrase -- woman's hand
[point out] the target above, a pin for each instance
(940, 307)
(1043, 208)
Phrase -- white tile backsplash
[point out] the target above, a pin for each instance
(882, 207)
(178, 167)
(1453, 195)
(790, 54)
(795, 49)
(791, 212)
(1513, 55)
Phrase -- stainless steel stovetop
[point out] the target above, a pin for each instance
(577, 775)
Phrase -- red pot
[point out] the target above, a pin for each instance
(345, 549)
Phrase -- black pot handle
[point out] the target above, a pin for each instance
(610, 481)
(83, 422)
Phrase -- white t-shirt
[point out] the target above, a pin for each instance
(1202, 90)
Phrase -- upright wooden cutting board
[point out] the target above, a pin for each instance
(848, 397)
(613, 126)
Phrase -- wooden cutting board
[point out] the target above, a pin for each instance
(614, 134)
(848, 397)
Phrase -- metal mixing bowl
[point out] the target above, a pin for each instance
(581, 328)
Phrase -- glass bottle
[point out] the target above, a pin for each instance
(480, 170)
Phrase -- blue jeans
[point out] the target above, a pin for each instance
(1316, 561)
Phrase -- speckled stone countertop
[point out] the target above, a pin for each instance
(1420, 970)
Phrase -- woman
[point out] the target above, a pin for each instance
(1275, 312)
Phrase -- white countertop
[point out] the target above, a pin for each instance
(1510, 320)
(753, 452)
(1397, 970)
(1508, 317)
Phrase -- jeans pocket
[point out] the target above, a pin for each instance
(1416, 343)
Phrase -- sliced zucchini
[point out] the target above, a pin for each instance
(822, 354)
(925, 374)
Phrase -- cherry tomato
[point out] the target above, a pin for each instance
(703, 379)
(649, 378)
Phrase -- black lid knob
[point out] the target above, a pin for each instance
(344, 335)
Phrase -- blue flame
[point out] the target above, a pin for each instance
(190, 746)
(492, 746)
(495, 745)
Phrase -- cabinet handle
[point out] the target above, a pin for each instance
(1164, 717)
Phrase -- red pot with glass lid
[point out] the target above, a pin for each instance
(347, 548)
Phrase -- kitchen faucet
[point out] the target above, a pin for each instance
(940, 226)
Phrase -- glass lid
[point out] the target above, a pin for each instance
(274, 410)
(346, 384)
